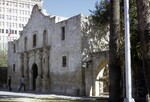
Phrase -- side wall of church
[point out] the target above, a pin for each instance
(14, 64)
(68, 79)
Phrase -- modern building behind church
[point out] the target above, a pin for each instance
(49, 55)
(14, 14)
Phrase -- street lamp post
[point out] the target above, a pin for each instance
(127, 54)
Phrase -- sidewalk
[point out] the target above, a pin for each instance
(30, 94)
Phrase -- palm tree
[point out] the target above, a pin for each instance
(143, 7)
(114, 52)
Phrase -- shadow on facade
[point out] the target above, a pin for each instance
(34, 75)
(3, 76)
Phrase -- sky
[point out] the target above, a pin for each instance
(69, 8)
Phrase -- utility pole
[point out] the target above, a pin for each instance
(127, 54)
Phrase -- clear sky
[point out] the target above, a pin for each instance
(68, 8)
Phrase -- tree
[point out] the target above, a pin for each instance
(114, 52)
(3, 58)
(138, 80)
(95, 30)
(143, 7)
(100, 18)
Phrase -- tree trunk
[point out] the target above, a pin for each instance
(144, 24)
(114, 52)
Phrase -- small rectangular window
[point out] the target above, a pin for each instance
(12, 32)
(25, 43)
(14, 48)
(63, 33)
(7, 31)
(64, 61)
(15, 31)
(34, 40)
(20, 32)
(45, 37)
(14, 67)
(2, 30)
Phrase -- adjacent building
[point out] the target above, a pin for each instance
(14, 14)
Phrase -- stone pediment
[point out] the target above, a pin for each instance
(36, 15)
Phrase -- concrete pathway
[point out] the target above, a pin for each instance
(32, 96)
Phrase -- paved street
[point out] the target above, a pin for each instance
(6, 96)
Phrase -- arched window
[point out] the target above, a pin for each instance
(14, 48)
(34, 40)
(25, 43)
(14, 67)
(62, 33)
(64, 61)
(45, 37)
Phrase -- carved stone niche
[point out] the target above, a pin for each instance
(39, 63)
(39, 55)
(31, 53)
(45, 80)
(46, 49)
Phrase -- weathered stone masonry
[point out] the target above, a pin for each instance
(49, 55)
(39, 53)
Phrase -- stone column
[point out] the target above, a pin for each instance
(46, 66)
(25, 65)
(31, 54)
(26, 69)
(39, 79)
(45, 81)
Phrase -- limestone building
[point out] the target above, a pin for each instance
(49, 55)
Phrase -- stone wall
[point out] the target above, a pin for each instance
(68, 78)
(13, 64)
(42, 64)
(51, 75)
(98, 61)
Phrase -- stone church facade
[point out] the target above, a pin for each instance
(49, 55)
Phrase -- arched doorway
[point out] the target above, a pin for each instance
(102, 78)
(34, 75)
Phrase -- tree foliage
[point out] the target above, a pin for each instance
(143, 8)
(136, 54)
(101, 18)
(100, 15)
(3, 58)
(95, 31)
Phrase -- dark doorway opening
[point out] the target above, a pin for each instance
(35, 74)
